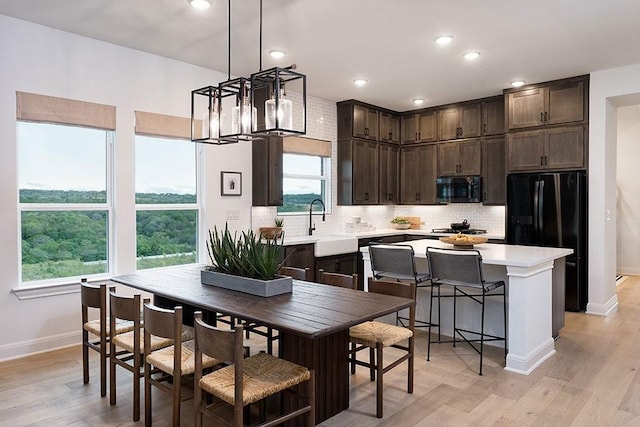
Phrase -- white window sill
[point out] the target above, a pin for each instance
(41, 291)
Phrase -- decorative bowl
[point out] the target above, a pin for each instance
(400, 226)
(463, 241)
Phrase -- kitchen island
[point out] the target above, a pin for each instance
(535, 281)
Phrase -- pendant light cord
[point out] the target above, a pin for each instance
(260, 53)
(229, 45)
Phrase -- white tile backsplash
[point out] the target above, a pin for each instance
(321, 124)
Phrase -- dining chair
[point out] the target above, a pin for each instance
(94, 298)
(375, 336)
(126, 351)
(246, 380)
(462, 270)
(397, 262)
(296, 273)
(349, 281)
(165, 367)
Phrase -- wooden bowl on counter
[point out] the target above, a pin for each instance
(463, 241)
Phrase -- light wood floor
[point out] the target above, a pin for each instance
(592, 380)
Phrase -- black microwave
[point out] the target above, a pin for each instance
(460, 189)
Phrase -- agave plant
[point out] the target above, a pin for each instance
(247, 255)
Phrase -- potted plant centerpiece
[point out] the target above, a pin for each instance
(245, 263)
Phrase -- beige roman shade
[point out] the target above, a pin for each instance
(164, 125)
(51, 109)
(309, 146)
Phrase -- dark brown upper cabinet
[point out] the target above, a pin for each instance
(493, 116)
(420, 127)
(266, 177)
(493, 171)
(389, 130)
(358, 166)
(460, 158)
(556, 148)
(462, 121)
(548, 104)
(357, 121)
(389, 173)
(418, 173)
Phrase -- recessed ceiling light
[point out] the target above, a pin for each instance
(444, 39)
(418, 101)
(200, 4)
(277, 54)
(360, 82)
(518, 83)
(470, 56)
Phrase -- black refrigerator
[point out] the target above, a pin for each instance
(550, 209)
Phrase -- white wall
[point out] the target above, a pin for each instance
(41, 60)
(609, 89)
(628, 190)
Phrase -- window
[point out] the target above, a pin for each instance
(64, 201)
(306, 174)
(166, 202)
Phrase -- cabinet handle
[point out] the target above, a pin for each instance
(546, 116)
(542, 117)
(366, 196)
(484, 197)
(484, 128)
(541, 160)
(460, 170)
(390, 136)
(366, 131)
(546, 161)
(416, 136)
(390, 196)
(416, 199)
(419, 197)
(419, 135)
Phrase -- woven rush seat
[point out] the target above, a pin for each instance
(163, 358)
(372, 333)
(263, 375)
(126, 340)
(122, 326)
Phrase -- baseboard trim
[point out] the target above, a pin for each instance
(605, 309)
(40, 345)
(527, 364)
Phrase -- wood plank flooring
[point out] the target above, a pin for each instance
(592, 380)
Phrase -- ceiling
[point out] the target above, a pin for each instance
(389, 43)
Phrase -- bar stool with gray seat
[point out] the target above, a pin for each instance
(397, 262)
(462, 269)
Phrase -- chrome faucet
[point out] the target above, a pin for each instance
(311, 226)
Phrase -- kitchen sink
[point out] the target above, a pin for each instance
(335, 245)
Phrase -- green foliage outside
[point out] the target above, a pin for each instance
(298, 202)
(59, 244)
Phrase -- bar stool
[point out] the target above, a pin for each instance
(462, 269)
(397, 262)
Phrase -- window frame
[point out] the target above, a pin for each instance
(325, 176)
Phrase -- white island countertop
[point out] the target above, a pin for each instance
(499, 254)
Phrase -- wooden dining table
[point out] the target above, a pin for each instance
(313, 320)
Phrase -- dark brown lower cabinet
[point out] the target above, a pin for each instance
(300, 256)
(343, 264)
(494, 171)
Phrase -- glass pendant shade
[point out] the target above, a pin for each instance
(206, 116)
(280, 94)
(235, 96)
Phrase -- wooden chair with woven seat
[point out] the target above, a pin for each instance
(245, 381)
(127, 308)
(94, 297)
(375, 336)
(349, 281)
(296, 273)
(165, 367)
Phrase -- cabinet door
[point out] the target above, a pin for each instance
(365, 122)
(427, 174)
(388, 174)
(300, 256)
(409, 129)
(409, 175)
(427, 126)
(493, 117)
(448, 156)
(266, 157)
(493, 171)
(365, 172)
(449, 124)
(565, 148)
(566, 103)
(470, 155)
(526, 108)
(389, 126)
(526, 151)
(470, 119)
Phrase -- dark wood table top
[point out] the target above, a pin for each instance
(311, 310)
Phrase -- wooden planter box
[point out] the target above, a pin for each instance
(262, 288)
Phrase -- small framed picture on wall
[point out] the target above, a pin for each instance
(231, 183)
